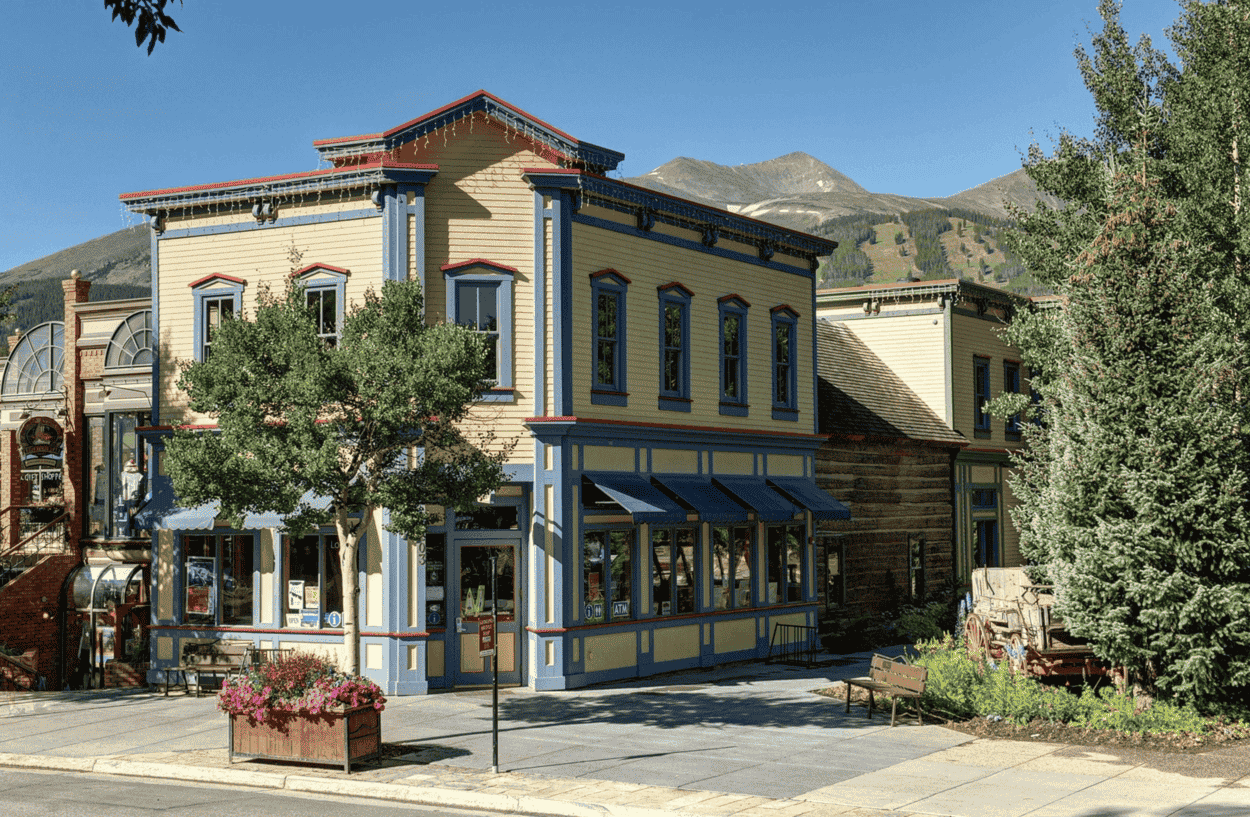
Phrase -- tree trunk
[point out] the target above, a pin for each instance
(349, 548)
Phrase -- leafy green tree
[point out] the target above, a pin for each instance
(153, 23)
(373, 422)
(1134, 490)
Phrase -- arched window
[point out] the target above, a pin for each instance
(131, 344)
(36, 361)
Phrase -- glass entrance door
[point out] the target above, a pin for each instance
(471, 592)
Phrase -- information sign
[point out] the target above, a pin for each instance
(485, 637)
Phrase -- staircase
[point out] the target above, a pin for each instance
(37, 538)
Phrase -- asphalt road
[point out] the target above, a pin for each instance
(27, 794)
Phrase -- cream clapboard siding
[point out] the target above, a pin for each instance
(979, 337)
(913, 346)
(258, 257)
(649, 264)
(479, 206)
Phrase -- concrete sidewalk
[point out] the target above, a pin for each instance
(747, 740)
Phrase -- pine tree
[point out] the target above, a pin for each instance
(1134, 491)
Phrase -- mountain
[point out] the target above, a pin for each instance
(801, 192)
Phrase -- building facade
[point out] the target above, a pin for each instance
(72, 394)
(944, 340)
(655, 367)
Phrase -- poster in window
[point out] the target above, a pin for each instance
(312, 596)
(292, 620)
(295, 595)
(200, 581)
(310, 618)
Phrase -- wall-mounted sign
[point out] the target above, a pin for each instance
(40, 437)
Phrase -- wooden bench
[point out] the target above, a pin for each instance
(216, 657)
(893, 677)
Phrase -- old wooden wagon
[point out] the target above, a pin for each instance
(1012, 618)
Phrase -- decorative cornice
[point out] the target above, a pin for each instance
(711, 223)
(365, 175)
(592, 157)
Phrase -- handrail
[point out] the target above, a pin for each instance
(58, 520)
(18, 560)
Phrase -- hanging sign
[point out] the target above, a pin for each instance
(40, 438)
(485, 637)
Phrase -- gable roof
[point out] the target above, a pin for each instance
(574, 151)
(861, 396)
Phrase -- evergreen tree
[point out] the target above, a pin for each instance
(1133, 493)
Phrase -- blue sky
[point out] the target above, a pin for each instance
(914, 98)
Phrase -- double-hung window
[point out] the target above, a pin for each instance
(313, 581)
(785, 363)
(1011, 385)
(323, 293)
(219, 578)
(218, 298)
(479, 295)
(733, 355)
(675, 347)
(980, 396)
(608, 289)
(607, 573)
(985, 528)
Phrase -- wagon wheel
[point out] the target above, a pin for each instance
(976, 636)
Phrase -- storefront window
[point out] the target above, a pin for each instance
(116, 465)
(96, 518)
(731, 567)
(673, 579)
(785, 563)
(607, 562)
(313, 581)
(218, 578)
(435, 579)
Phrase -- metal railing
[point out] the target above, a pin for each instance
(38, 539)
(792, 644)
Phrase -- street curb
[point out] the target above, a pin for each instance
(417, 795)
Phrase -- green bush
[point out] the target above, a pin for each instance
(960, 686)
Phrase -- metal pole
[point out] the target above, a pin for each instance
(494, 668)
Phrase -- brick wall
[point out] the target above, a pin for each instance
(29, 612)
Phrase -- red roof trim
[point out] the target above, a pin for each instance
(216, 275)
(438, 111)
(609, 271)
(477, 262)
(312, 267)
(307, 174)
(733, 296)
(635, 424)
(675, 285)
(784, 308)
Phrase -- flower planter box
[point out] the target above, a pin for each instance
(330, 737)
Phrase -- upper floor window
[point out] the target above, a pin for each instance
(608, 288)
(131, 344)
(218, 298)
(324, 294)
(479, 295)
(733, 355)
(785, 360)
(1011, 384)
(981, 396)
(675, 347)
(35, 364)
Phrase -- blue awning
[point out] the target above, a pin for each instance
(163, 513)
(712, 504)
(754, 493)
(644, 501)
(806, 494)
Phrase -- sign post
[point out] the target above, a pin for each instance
(494, 668)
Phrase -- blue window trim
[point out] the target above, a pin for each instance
(328, 278)
(1011, 385)
(734, 305)
(215, 287)
(980, 396)
(787, 408)
(675, 399)
(609, 282)
(488, 272)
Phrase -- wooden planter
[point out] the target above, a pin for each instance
(330, 737)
